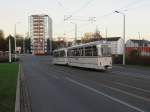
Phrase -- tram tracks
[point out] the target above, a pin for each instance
(136, 92)
(135, 72)
(103, 86)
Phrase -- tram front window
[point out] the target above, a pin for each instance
(105, 50)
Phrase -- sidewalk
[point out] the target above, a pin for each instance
(25, 102)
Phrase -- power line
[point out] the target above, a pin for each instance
(131, 4)
(60, 4)
(135, 2)
(105, 15)
(78, 10)
(84, 6)
(134, 8)
(125, 8)
(80, 27)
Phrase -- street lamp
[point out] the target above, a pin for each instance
(124, 33)
(9, 49)
(15, 39)
(75, 39)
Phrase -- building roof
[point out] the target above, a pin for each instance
(140, 41)
(111, 38)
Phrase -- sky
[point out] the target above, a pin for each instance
(137, 16)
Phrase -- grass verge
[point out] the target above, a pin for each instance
(8, 82)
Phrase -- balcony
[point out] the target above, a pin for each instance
(38, 32)
(38, 20)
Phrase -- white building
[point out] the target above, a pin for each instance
(116, 45)
(40, 29)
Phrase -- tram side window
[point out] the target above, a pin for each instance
(62, 53)
(56, 54)
(88, 51)
(69, 53)
(81, 51)
(72, 52)
(95, 52)
(106, 51)
(77, 52)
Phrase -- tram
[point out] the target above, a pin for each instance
(94, 55)
(60, 56)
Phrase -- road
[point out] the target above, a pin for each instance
(56, 88)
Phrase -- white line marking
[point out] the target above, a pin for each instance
(54, 76)
(126, 85)
(127, 93)
(137, 75)
(106, 95)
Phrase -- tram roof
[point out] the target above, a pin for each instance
(91, 43)
(60, 49)
(86, 44)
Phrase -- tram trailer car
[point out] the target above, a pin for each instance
(94, 55)
(60, 56)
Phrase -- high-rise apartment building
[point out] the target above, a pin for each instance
(40, 32)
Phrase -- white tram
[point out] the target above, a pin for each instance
(60, 56)
(94, 55)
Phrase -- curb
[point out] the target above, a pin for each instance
(25, 95)
(17, 103)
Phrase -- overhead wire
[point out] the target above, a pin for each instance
(131, 4)
(81, 8)
(135, 2)
(136, 6)
(60, 4)
(76, 11)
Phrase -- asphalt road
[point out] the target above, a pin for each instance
(56, 88)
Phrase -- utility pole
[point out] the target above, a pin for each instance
(124, 33)
(106, 33)
(75, 41)
(9, 50)
(140, 42)
(70, 17)
(75, 33)
(23, 45)
(15, 41)
(96, 29)
(139, 38)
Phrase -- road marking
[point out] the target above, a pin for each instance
(127, 93)
(126, 85)
(54, 76)
(105, 95)
(137, 75)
